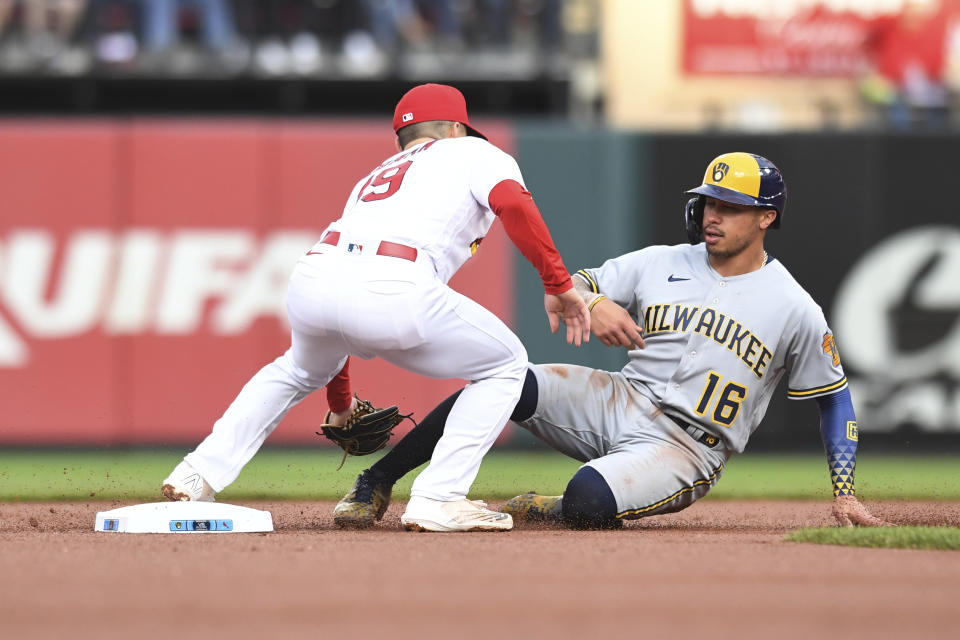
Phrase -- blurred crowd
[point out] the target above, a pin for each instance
(304, 38)
(914, 73)
(912, 54)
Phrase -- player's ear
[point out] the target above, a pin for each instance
(396, 144)
(767, 218)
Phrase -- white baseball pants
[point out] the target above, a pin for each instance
(341, 304)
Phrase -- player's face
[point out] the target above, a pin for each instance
(728, 229)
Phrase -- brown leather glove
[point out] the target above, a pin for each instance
(368, 429)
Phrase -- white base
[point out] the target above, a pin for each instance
(184, 517)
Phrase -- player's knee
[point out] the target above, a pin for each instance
(518, 364)
(529, 395)
(588, 502)
(286, 369)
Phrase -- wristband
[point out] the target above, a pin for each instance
(595, 301)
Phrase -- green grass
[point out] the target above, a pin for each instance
(878, 477)
(298, 474)
(941, 538)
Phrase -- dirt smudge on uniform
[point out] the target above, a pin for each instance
(559, 370)
(617, 399)
(599, 379)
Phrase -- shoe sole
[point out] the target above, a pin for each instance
(533, 516)
(351, 521)
(424, 526)
(169, 492)
(529, 511)
(345, 522)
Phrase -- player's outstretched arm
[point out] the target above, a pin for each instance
(521, 218)
(849, 511)
(572, 310)
(838, 428)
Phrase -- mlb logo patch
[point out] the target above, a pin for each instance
(407, 117)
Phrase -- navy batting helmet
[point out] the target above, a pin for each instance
(739, 178)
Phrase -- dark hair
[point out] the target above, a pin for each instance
(428, 129)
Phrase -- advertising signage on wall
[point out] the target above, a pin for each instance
(144, 267)
(807, 37)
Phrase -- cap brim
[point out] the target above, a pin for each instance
(473, 132)
(726, 195)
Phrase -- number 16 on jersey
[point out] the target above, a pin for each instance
(728, 400)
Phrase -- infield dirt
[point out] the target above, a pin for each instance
(720, 569)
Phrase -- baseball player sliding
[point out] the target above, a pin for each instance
(711, 327)
(375, 286)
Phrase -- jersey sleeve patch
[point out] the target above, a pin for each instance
(802, 394)
(829, 346)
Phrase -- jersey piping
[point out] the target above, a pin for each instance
(590, 281)
(798, 394)
(699, 483)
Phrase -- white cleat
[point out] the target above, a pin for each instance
(185, 484)
(424, 514)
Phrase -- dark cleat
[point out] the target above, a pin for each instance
(365, 504)
(531, 507)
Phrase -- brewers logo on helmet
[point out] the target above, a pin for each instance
(739, 178)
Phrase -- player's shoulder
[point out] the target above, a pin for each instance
(480, 159)
(790, 291)
(671, 251)
(471, 146)
(638, 259)
(471, 143)
(663, 252)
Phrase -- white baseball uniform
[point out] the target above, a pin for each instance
(661, 430)
(375, 286)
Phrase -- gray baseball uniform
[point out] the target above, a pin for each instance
(661, 430)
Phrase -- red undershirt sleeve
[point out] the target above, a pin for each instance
(338, 390)
(525, 226)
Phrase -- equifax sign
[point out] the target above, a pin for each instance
(139, 281)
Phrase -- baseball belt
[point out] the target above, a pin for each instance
(385, 248)
(698, 434)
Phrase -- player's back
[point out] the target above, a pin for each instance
(432, 196)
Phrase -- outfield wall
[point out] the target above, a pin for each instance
(143, 267)
(143, 264)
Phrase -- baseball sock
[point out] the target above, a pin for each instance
(588, 502)
(417, 446)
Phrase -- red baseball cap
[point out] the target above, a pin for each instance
(432, 102)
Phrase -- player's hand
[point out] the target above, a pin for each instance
(569, 307)
(614, 326)
(849, 511)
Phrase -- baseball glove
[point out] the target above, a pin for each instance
(368, 429)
